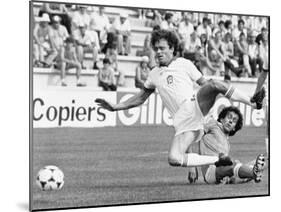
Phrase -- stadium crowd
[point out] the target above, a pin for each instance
(218, 44)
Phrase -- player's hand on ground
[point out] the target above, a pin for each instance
(192, 174)
(104, 104)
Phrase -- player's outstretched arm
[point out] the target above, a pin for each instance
(134, 101)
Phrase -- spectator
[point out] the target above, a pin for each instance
(241, 51)
(221, 28)
(216, 53)
(205, 66)
(142, 13)
(80, 17)
(111, 54)
(230, 63)
(122, 29)
(263, 33)
(100, 23)
(204, 28)
(263, 51)
(147, 50)
(253, 50)
(67, 59)
(167, 23)
(239, 29)
(228, 45)
(57, 36)
(87, 42)
(228, 26)
(42, 45)
(185, 29)
(258, 23)
(191, 49)
(156, 19)
(58, 33)
(194, 43)
(106, 76)
(142, 71)
(57, 9)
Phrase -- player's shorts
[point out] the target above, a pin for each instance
(189, 117)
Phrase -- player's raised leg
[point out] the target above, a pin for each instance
(179, 157)
(207, 94)
(242, 172)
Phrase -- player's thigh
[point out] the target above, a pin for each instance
(182, 141)
(207, 94)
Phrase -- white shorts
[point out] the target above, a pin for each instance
(189, 117)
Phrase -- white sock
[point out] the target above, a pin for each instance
(236, 170)
(193, 159)
(237, 95)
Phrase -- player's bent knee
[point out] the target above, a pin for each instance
(175, 160)
(217, 85)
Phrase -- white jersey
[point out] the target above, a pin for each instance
(175, 85)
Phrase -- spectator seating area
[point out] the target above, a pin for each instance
(127, 63)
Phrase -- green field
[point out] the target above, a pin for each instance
(127, 165)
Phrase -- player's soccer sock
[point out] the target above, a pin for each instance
(193, 159)
(241, 171)
(237, 95)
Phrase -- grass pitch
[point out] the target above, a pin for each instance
(128, 165)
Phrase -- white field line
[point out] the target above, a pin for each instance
(151, 154)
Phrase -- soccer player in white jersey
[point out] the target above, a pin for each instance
(174, 78)
(215, 141)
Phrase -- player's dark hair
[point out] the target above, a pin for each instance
(205, 19)
(106, 60)
(156, 27)
(169, 36)
(168, 16)
(239, 123)
(69, 40)
(227, 23)
(221, 22)
(241, 21)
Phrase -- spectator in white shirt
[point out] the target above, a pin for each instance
(100, 23)
(253, 50)
(42, 45)
(57, 9)
(204, 28)
(58, 34)
(167, 23)
(122, 29)
(87, 42)
(80, 17)
(185, 28)
(239, 29)
(220, 28)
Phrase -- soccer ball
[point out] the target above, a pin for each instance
(50, 178)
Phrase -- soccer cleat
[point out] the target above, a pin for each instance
(258, 98)
(224, 160)
(258, 168)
